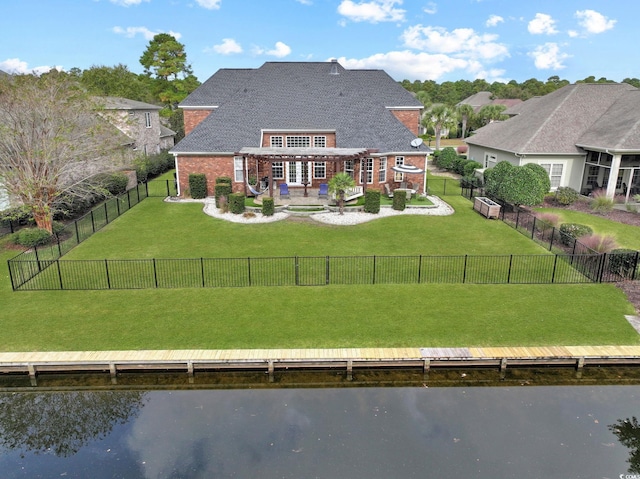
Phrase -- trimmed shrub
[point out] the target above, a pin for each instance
(566, 196)
(470, 167)
(222, 190)
(572, 231)
(399, 200)
(198, 185)
(31, 237)
(115, 183)
(372, 201)
(447, 158)
(268, 208)
(236, 203)
(223, 179)
(459, 163)
(623, 261)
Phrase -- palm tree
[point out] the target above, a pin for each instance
(465, 112)
(439, 117)
(492, 112)
(338, 185)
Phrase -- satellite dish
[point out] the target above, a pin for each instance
(416, 142)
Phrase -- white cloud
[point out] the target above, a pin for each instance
(462, 42)
(128, 3)
(542, 24)
(281, 50)
(421, 65)
(209, 4)
(373, 11)
(573, 34)
(131, 32)
(594, 22)
(16, 66)
(227, 47)
(493, 20)
(305, 2)
(431, 8)
(549, 57)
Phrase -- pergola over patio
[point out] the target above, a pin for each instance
(332, 156)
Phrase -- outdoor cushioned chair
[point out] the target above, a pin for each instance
(323, 192)
(284, 190)
(388, 191)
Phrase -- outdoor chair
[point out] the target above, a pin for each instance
(416, 188)
(403, 185)
(284, 190)
(388, 191)
(323, 192)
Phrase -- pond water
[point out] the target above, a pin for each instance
(423, 430)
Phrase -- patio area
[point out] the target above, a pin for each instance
(298, 198)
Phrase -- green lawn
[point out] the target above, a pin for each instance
(299, 317)
(626, 236)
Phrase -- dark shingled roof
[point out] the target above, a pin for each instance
(300, 96)
(584, 114)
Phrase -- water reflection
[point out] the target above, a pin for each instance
(628, 433)
(465, 431)
(62, 422)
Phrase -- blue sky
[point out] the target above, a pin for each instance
(441, 40)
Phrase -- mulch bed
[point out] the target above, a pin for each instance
(630, 288)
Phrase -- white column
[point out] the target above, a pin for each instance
(613, 175)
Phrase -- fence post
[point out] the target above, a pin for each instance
(464, 271)
(555, 265)
(327, 270)
(106, 270)
(202, 271)
(517, 218)
(553, 234)
(35, 249)
(297, 270)
(138, 193)
(603, 262)
(533, 228)
(118, 206)
(373, 279)
(146, 189)
(168, 191)
(129, 198)
(249, 270)
(59, 274)
(59, 248)
(155, 273)
(509, 272)
(635, 267)
(93, 223)
(106, 213)
(10, 266)
(420, 269)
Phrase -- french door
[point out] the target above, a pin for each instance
(297, 172)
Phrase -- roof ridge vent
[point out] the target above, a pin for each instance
(334, 67)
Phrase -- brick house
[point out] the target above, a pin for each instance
(299, 123)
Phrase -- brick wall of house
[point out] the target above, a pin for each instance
(211, 166)
(192, 118)
(410, 119)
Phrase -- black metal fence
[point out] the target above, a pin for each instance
(153, 188)
(55, 274)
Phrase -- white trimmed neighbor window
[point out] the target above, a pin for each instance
(298, 141)
(276, 142)
(382, 174)
(397, 177)
(277, 167)
(147, 119)
(554, 170)
(490, 160)
(238, 167)
(319, 170)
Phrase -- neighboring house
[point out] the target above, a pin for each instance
(482, 98)
(299, 123)
(586, 135)
(141, 123)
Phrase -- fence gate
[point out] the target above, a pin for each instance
(312, 271)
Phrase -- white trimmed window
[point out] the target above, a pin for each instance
(276, 142)
(382, 174)
(147, 119)
(554, 170)
(397, 177)
(366, 165)
(348, 167)
(319, 169)
(490, 160)
(320, 141)
(298, 141)
(277, 168)
(238, 167)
